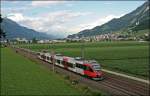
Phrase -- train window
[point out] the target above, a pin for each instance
(73, 65)
(58, 61)
(51, 58)
(79, 66)
(84, 67)
(96, 67)
(90, 69)
(44, 57)
(63, 62)
(70, 64)
(76, 65)
(48, 58)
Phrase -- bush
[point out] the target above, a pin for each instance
(74, 82)
(96, 93)
(67, 77)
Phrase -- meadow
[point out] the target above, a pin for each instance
(20, 76)
(129, 57)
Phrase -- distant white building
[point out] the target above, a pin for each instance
(3, 41)
(51, 41)
(43, 41)
(58, 41)
(21, 40)
(40, 41)
(74, 39)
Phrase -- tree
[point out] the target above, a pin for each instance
(2, 33)
(1, 19)
(34, 40)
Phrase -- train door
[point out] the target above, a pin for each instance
(52, 59)
(79, 68)
(88, 71)
(48, 59)
(65, 60)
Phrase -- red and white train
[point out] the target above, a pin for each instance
(87, 68)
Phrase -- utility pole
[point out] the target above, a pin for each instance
(82, 47)
(53, 60)
(53, 55)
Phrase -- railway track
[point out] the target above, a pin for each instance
(124, 88)
(113, 85)
(135, 87)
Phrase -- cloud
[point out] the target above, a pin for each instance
(25, 6)
(69, 5)
(63, 16)
(45, 3)
(93, 24)
(18, 7)
(108, 3)
(15, 17)
(15, 2)
(26, 21)
(54, 23)
(99, 21)
(58, 23)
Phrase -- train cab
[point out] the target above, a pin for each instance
(39, 55)
(93, 70)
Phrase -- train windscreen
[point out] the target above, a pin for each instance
(96, 67)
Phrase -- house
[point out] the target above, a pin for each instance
(21, 40)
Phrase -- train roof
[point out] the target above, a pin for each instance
(76, 59)
(47, 54)
(79, 58)
(82, 61)
(58, 54)
(91, 61)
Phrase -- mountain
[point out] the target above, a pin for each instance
(14, 30)
(135, 21)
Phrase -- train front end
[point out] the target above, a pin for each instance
(93, 70)
(97, 73)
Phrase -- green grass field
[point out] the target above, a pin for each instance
(128, 57)
(20, 76)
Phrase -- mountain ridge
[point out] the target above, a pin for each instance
(14, 30)
(124, 23)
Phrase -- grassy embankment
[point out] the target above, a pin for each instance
(20, 76)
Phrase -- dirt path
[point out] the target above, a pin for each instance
(126, 76)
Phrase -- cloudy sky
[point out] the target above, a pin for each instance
(63, 18)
